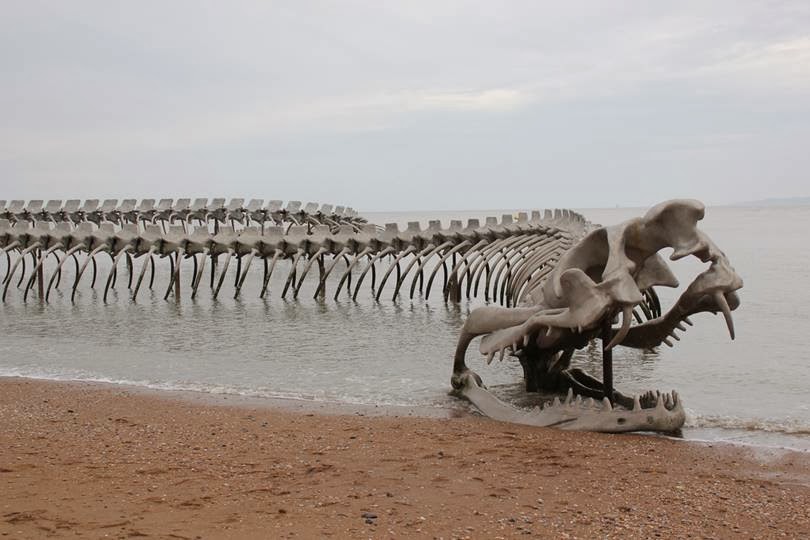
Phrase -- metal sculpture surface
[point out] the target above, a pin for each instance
(613, 270)
(559, 280)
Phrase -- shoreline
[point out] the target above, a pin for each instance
(288, 404)
(301, 404)
(95, 458)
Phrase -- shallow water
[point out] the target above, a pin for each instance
(752, 390)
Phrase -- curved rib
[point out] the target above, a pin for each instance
(174, 280)
(223, 271)
(348, 270)
(114, 270)
(490, 259)
(417, 258)
(522, 273)
(13, 269)
(483, 262)
(512, 268)
(75, 269)
(400, 255)
(147, 258)
(455, 270)
(198, 274)
(501, 261)
(510, 259)
(309, 264)
(95, 273)
(130, 269)
(58, 270)
(522, 262)
(441, 262)
(293, 269)
(428, 256)
(90, 257)
(115, 274)
(527, 265)
(40, 263)
(8, 262)
(22, 258)
(322, 284)
(269, 273)
(370, 265)
(238, 267)
(6, 250)
(194, 270)
(536, 280)
(241, 279)
(151, 271)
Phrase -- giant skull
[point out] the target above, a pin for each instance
(610, 275)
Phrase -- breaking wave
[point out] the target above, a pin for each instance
(787, 432)
(441, 401)
(789, 426)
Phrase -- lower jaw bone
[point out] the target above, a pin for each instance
(578, 416)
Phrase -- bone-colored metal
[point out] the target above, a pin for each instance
(578, 415)
(610, 271)
(558, 276)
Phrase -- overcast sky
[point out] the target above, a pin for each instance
(408, 105)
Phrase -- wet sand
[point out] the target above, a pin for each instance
(79, 459)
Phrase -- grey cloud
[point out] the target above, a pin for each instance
(580, 104)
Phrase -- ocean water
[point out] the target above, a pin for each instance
(754, 390)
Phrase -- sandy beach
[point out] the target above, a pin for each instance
(92, 460)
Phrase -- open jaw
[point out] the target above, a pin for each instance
(603, 288)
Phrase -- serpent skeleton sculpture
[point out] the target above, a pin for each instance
(560, 281)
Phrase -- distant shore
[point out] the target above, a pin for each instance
(94, 459)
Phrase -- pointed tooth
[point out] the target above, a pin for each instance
(660, 403)
(556, 402)
(526, 340)
(724, 307)
(675, 397)
(667, 342)
(606, 404)
(675, 336)
(590, 403)
(548, 331)
(688, 321)
(680, 327)
(579, 329)
(569, 397)
(627, 317)
(578, 400)
(636, 404)
(500, 359)
(490, 357)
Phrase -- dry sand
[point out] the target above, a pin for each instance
(104, 461)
